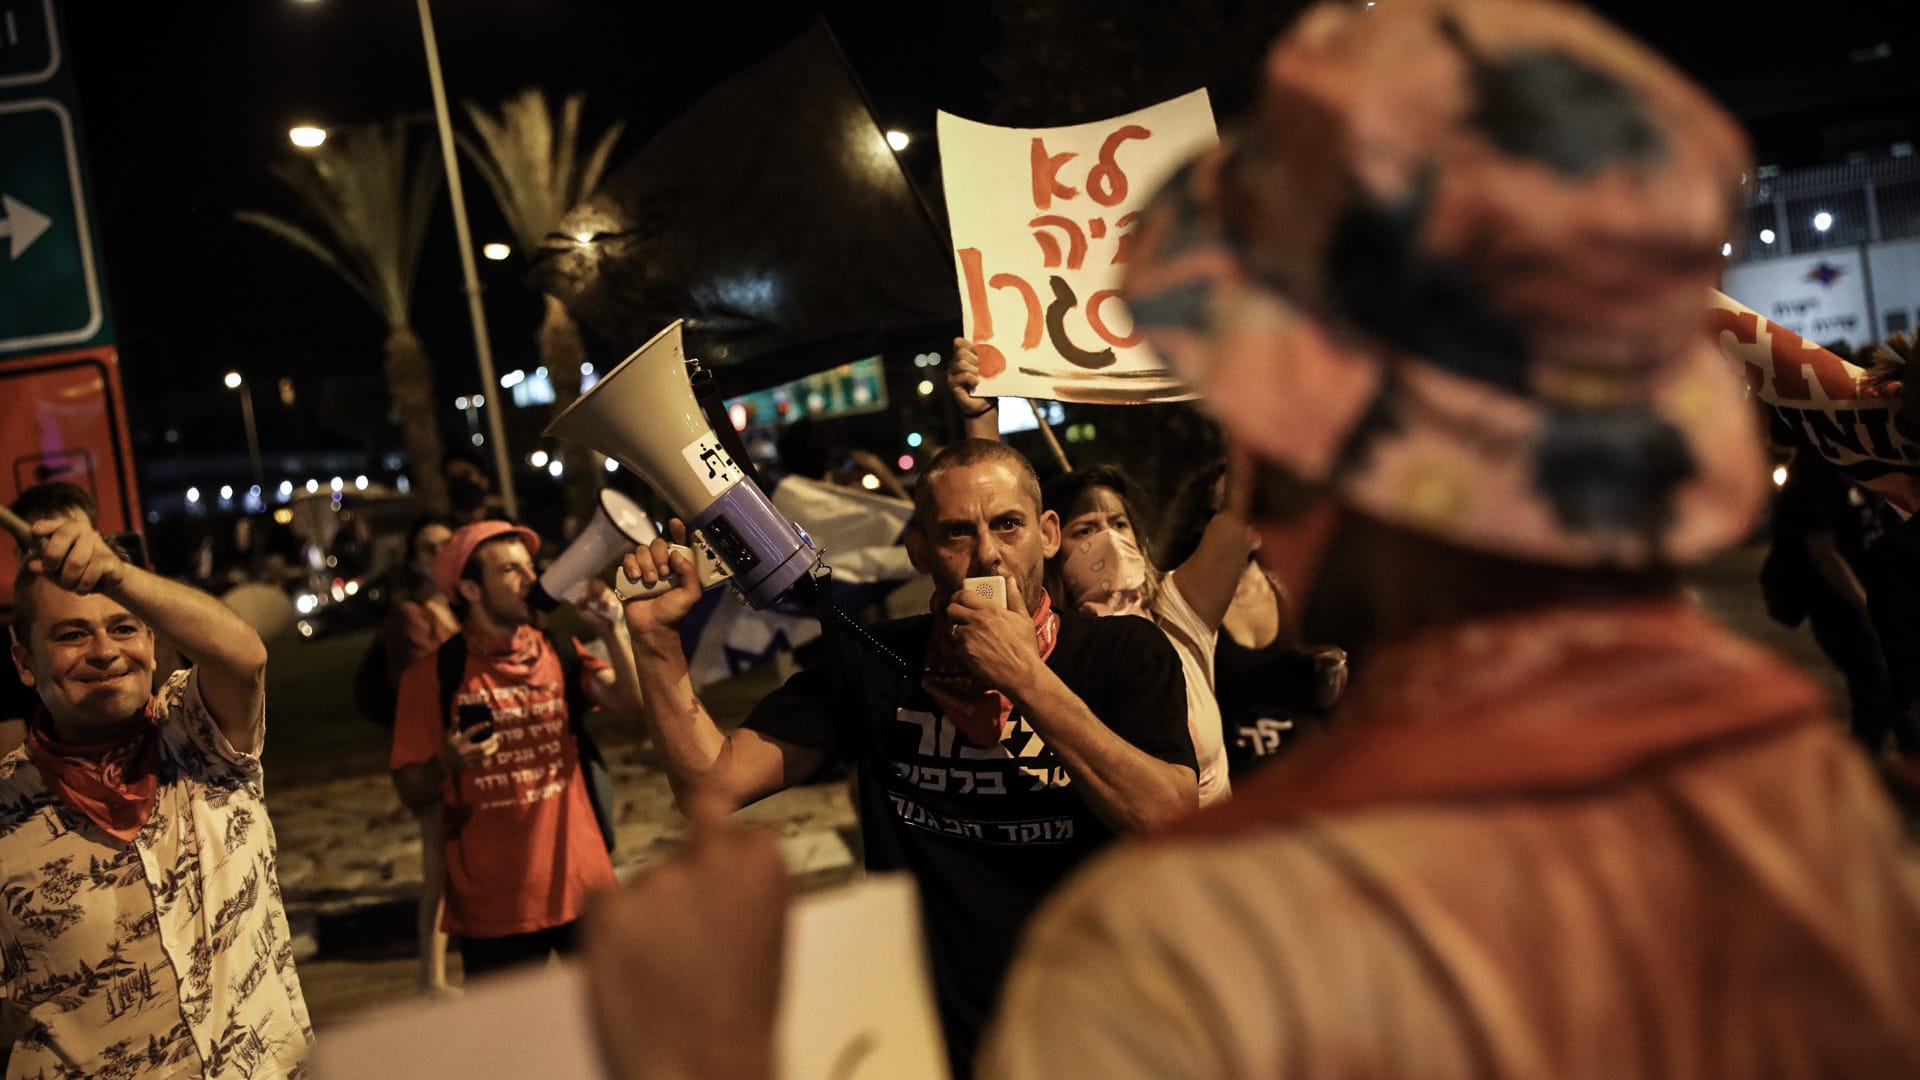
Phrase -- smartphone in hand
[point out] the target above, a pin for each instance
(476, 721)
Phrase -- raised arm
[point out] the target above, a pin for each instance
(616, 689)
(982, 414)
(1126, 787)
(732, 768)
(1209, 575)
(230, 657)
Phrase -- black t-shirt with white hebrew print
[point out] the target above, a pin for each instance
(986, 833)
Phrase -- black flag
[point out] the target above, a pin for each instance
(774, 218)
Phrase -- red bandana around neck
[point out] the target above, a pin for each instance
(978, 710)
(115, 782)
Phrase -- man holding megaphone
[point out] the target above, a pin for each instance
(1019, 740)
(489, 728)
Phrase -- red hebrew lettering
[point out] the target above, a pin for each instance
(1050, 247)
(992, 360)
(1790, 351)
(1099, 324)
(1106, 181)
(977, 295)
(1009, 281)
(1097, 228)
(1046, 175)
(1123, 244)
(1745, 328)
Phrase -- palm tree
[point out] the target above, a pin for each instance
(532, 165)
(371, 195)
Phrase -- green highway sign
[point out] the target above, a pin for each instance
(29, 51)
(49, 288)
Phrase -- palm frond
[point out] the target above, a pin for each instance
(368, 197)
(300, 238)
(597, 162)
(529, 156)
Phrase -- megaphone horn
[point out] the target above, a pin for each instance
(617, 527)
(643, 414)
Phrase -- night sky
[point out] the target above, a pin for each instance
(184, 106)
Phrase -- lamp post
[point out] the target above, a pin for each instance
(235, 382)
(496, 426)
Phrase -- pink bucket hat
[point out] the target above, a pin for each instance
(451, 562)
(1456, 269)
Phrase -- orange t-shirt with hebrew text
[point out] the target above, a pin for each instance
(523, 852)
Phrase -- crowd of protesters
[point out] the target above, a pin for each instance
(1562, 823)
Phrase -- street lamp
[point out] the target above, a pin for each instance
(307, 137)
(235, 382)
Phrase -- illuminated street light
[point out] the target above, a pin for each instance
(537, 459)
(496, 252)
(612, 465)
(926, 387)
(306, 137)
(898, 140)
(233, 380)
(1726, 249)
(226, 492)
(556, 468)
(1822, 221)
(1766, 236)
(870, 482)
(1779, 476)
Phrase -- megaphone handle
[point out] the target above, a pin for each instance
(636, 591)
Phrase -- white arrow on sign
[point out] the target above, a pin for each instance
(23, 224)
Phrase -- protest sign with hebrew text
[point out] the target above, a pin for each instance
(1042, 222)
(1825, 400)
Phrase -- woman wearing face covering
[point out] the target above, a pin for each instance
(1103, 568)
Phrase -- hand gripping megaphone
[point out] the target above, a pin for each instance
(643, 414)
(618, 526)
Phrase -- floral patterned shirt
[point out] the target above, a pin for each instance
(168, 956)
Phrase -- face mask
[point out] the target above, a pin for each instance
(1105, 574)
(466, 493)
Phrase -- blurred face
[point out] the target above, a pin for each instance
(458, 469)
(427, 544)
(89, 659)
(981, 524)
(1097, 508)
(506, 573)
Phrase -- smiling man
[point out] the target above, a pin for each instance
(141, 930)
(1019, 741)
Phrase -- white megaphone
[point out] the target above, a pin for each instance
(618, 526)
(643, 414)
